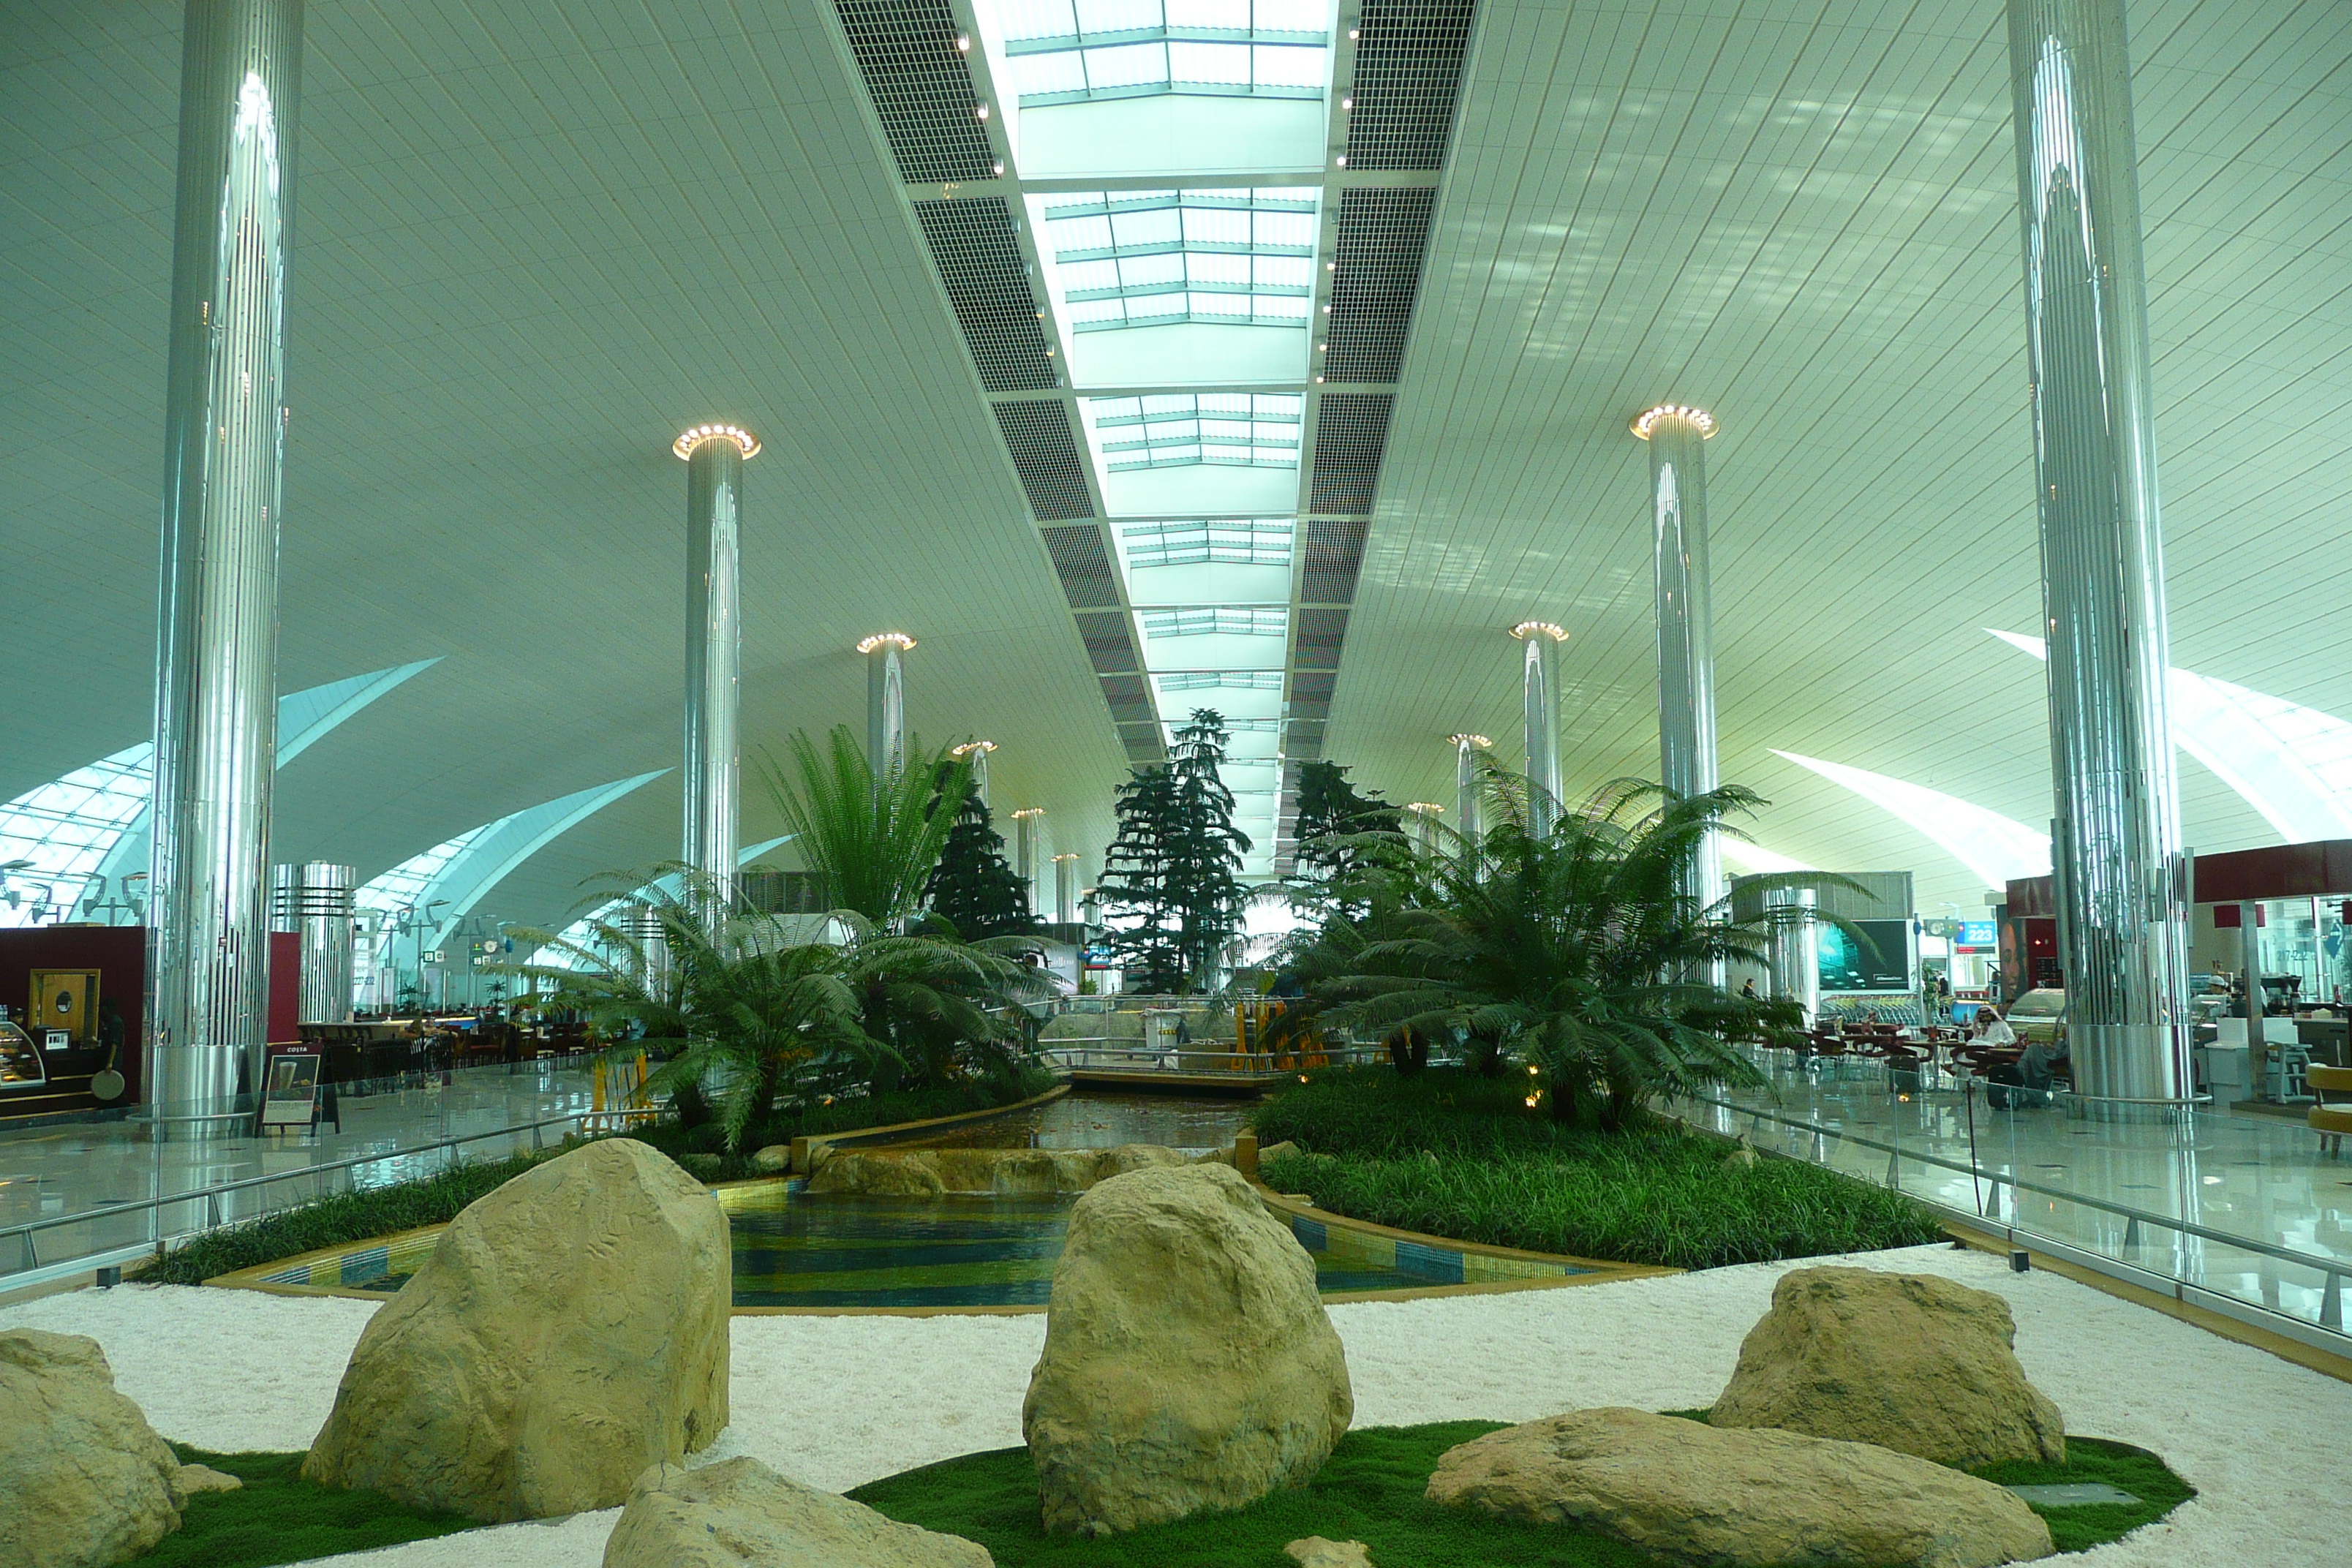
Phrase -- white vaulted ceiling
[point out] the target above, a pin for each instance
(533, 241)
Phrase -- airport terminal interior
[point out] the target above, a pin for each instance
(1193, 784)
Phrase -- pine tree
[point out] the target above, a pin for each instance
(1205, 851)
(1330, 809)
(973, 887)
(1134, 886)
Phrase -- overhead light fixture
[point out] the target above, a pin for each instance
(1424, 808)
(963, 43)
(969, 746)
(878, 640)
(696, 435)
(1526, 629)
(1478, 741)
(1698, 416)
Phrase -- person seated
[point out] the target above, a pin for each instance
(1992, 1028)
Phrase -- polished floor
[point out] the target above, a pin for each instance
(2244, 1205)
(50, 1173)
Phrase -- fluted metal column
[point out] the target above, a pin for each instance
(1677, 436)
(1540, 643)
(1469, 753)
(715, 454)
(314, 900)
(224, 419)
(1024, 851)
(1426, 814)
(886, 702)
(2121, 875)
(1795, 949)
(975, 752)
(1066, 889)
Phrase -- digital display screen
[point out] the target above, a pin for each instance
(1977, 934)
(1881, 960)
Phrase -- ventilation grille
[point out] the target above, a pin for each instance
(1143, 744)
(1312, 686)
(1045, 455)
(1408, 68)
(1379, 236)
(1126, 688)
(1350, 428)
(1083, 565)
(988, 283)
(1334, 554)
(1130, 710)
(921, 88)
(1321, 632)
(1108, 647)
(1305, 741)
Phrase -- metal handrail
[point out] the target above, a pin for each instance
(211, 1195)
(2333, 1270)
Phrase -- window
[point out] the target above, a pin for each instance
(1079, 51)
(1144, 258)
(1221, 622)
(1263, 541)
(1170, 430)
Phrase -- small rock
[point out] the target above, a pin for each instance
(1189, 1363)
(774, 1159)
(195, 1479)
(1277, 1151)
(1915, 1362)
(568, 1329)
(1743, 1498)
(84, 1480)
(1317, 1552)
(741, 1514)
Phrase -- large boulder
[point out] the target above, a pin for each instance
(1739, 1498)
(920, 1172)
(740, 1513)
(568, 1330)
(1189, 1363)
(1915, 1362)
(84, 1480)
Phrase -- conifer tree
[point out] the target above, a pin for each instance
(1331, 809)
(974, 885)
(1134, 886)
(1171, 877)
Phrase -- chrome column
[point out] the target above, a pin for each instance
(1426, 814)
(975, 752)
(1024, 851)
(1541, 689)
(715, 454)
(2121, 875)
(1677, 436)
(1469, 755)
(314, 900)
(886, 702)
(1795, 948)
(1066, 889)
(224, 419)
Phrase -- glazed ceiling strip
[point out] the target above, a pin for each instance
(1182, 238)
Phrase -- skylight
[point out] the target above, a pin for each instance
(1079, 51)
(1260, 542)
(1234, 429)
(1236, 257)
(1218, 621)
(1226, 680)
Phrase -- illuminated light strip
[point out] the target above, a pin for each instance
(696, 435)
(1648, 419)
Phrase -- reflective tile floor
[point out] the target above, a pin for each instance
(2103, 1187)
(51, 1172)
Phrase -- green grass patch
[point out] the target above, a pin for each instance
(278, 1517)
(1453, 1155)
(1371, 1492)
(437, 1199)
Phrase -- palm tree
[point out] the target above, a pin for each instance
(1577, 950)
(747, 1014)
(874, 841)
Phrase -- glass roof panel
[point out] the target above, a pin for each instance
(1165, 256)
(1060, 52)
(1214, 621)
(1169, 430)
(1230, 680)
(1246, 541)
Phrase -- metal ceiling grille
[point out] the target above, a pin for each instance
(1084, 567)
(1045, 455)
(1350, 428)
(921, 88)
(1379, 236)
(1109, 646)
(1408, 68)
(979, 259)
(1334, 554)
(1314, 685)
(1320, 634)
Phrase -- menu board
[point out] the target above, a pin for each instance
(291, 1098)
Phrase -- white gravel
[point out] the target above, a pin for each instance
(839, 1401)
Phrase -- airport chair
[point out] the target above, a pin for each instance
(2332, 1117)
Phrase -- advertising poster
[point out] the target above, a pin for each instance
(1881, 960)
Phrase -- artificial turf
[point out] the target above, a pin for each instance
(1371, 1492)
(278, 1517)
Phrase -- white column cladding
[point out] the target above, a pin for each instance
(1795, 948)
(1469, 753)
(1676, 437)
(976, 753)
(224, 424)
(886, 702)
(1066, 889)
(715, 454)
(314, 900)
(2121, 874)
(1426, 814)
(1025, 852)
(1540, 689)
